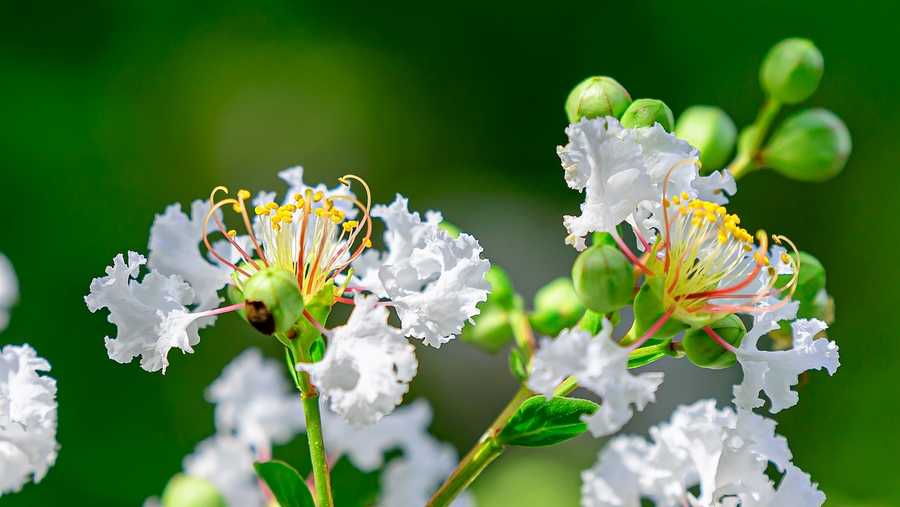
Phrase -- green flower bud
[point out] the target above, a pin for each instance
(603, 278)
(273, 300)
(710, 130)
(812, 145)
(646, 112)
(187, 491)
(491, 331)
(556, 307)
(596, 97)
(451, 229)
(706, 352)
(502, 291)
(648, 309)
(791, 71)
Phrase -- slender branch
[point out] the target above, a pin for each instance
(751, 140)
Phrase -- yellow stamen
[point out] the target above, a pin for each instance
(232, 233)
(243, 194)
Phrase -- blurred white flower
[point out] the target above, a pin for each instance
(599, 365)
(227, 462)
(724, 453)
(28, 407)
(9, 290)
(367, 366)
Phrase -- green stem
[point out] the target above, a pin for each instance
(310, 398)
(751, 139)
(521, 329)
(485, 451)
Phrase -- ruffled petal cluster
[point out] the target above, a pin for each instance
(433, 280)
(9, 290)
(28, 446)
(255, 403)
(227, 462)
(599, 365)
(367, 366)
(150, 315)
(724, 453)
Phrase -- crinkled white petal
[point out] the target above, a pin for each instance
(774, 372)
(558, 358)
(255, 402)
(614, 480)
(367, 366)
(797, 490)
(715, 187)
(227, 462)
(28, 407)
(9, 290)
(174, 247)
(438, 312)
(663, 153)
(609, 168)
(135, 308)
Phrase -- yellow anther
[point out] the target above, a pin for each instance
(260, 210)
(776, 239)
(685, 196)
(682, 210)
(772, 271)
(232, 233)
(785, 258)
(710, 206)
(353, 223)
(711, 218)
(720, 211)
(665, 202)
(236, 207)
(318, 196)
(277, 218)
(723, 238)
(756, 256)
(243, 194)
(320, 212)
(298, 197)
(347, 227)
(271, 205)
(288, 207)
(344, 182)
(676, 200)
(765, 261)
(737, 219)
(276, 227)
(748, 248)
(368, 243)
(335, 218)
(696, 221)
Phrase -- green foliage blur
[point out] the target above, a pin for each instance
(110, 111)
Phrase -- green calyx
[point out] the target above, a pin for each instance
(556, 307)
(273, 301)
(711, 131)
(791, 71)
(705, 352)
(649, 309)
(812, 145)
(603, 278)
(596, 97)
(188, 491)
(647, 112)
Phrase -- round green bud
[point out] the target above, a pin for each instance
(646, 112)
(273, 302)
(556, 307)
(491, 331)
(810, 280)
(711, 131)
(648, 309)
(705, 352)
(450, 229)
(791, 71)
(187, 491)
(811, 145)
(596, 97)
(603, 278)
(502, 292)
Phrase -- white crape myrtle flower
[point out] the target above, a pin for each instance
(255, 402)
(227, 462)
(410, 479)
(28, 446)
(625, 172)
(367, 366)
(599, 365)
(434, 281)
(774, 372)
(724, 452)
(9, 290)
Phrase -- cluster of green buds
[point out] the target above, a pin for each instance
(600, 96)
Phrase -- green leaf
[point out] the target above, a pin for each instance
(541, 423)
(286, 484)
(517, 364)
(646, 355)
(317, 350)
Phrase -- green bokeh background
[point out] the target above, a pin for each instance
(109, 111)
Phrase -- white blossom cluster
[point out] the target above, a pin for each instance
(432, 280)
(256, 408)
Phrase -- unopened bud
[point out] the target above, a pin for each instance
(450, 229)
(502, 292)
(812, 145)
(711, 131)
(596, 97)
(273, 300)
(646, 112)
(648, 310)
(705, 352)
(491, 331)
(188, 491)
(791, 71)
(603, 278)
(556, 307)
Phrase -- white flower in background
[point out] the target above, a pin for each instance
(724, 453)
(433, 280)
(255, 403)
(599, 365)
(27, 418)
(227, 462)
(9, 290)
(367, 366)
(774, 372)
